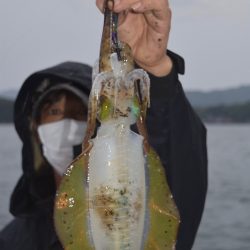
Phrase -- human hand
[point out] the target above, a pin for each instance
(144, 25)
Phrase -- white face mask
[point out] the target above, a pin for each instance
(58, 139)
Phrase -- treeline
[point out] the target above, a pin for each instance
(6, 110)
(237, 113)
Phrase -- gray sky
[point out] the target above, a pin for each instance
(212, 35)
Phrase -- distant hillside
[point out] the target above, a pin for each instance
(197, 98)
(6, 110)
(219, 97)
(231, 105)
(238, 113)
(9, 94)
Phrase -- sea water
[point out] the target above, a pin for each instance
(226, 220)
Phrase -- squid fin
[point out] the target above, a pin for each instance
(164, 218)
(71, 207)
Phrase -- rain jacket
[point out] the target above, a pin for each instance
(175, 131)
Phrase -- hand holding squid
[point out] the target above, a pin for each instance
(145, 25)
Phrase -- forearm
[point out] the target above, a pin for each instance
(179, 137)
(162, 91)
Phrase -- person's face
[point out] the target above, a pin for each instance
(65, 105)
(57, 106)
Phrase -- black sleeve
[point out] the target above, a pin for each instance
(179, 137)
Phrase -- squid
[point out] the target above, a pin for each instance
(114, 195)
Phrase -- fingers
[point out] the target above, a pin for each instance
(163, 15)
(120, 5)
(100, 4)
(139, 6)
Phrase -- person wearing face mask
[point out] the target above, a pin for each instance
(50, 118)
(60, 116)
(50, 130)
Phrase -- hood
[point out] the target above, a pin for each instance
(36, 184)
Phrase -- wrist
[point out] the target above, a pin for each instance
(162, 68)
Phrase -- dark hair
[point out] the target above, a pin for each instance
(51, 98)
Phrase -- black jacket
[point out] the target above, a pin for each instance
(175, 131)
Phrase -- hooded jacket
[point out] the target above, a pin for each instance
(175, 132)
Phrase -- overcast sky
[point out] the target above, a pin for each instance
(212, 35)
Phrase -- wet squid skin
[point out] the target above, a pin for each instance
(115, 195)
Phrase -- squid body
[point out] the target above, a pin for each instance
(114, 196)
